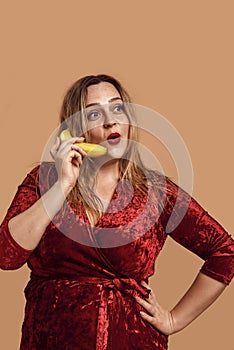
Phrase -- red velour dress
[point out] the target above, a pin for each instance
(83, 280)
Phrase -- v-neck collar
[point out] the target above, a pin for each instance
(108, 210)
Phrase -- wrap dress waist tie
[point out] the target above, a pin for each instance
(127, 286)
(109, 287)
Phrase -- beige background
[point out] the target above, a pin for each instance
(173, 56)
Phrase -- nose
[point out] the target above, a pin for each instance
(109, 120)
(109, 124)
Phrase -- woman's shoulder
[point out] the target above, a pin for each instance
(42, 169)
(43, 175)
(168, 191)
(162, 182)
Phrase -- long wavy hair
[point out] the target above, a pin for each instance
(131, 167)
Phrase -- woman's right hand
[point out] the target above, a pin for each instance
(68, 159)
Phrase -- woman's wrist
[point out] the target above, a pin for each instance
(202, 293)
(64, 187)
(172, 322)
(176, 325)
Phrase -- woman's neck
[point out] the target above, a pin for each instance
(106, 179)
(109, 172)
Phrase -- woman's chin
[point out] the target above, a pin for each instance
(117, 151)
(115, 154)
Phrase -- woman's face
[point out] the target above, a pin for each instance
(107, 122)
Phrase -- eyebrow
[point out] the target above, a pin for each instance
(99, 104)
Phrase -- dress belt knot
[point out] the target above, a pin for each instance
(124, 286)
(128, 286)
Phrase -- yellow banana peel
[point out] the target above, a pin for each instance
(92, 149)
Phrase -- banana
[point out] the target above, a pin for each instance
(91, 149)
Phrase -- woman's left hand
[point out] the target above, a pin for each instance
(159, 317)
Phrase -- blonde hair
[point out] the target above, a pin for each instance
(131, 168)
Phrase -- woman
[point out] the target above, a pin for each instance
(92, 253)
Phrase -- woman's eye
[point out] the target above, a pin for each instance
(118, 108)
(93, 115)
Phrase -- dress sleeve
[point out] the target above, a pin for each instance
(192, 226)
(12, 255)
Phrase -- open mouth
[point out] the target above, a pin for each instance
(114, 138)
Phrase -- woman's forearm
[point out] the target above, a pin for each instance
(197, 299)
(203, 292)
(28, 227)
